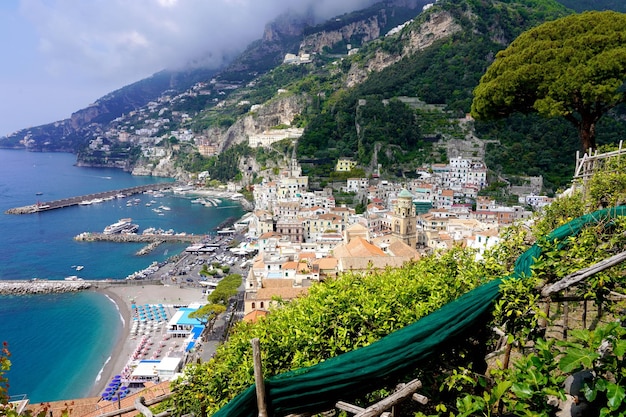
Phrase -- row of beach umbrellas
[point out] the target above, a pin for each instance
(149, 311)
(115, 390)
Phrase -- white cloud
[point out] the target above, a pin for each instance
(92, 47)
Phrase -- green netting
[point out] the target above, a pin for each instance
(319, 387)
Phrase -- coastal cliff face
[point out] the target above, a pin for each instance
(160, 167)
(278, 111)
(361, 30)
(364, 30)
(438, 26)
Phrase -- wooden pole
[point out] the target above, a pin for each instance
(578, 276)
(258, 377)
(395, 398)
(565, 317)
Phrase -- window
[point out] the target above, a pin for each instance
(253, 305)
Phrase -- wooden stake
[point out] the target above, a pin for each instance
(258, 377)
(395, 398)
(583, 273)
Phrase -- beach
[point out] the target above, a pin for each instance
(124, 297)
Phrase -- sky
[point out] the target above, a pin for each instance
(58, 56)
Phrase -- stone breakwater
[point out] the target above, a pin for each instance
(42, 287)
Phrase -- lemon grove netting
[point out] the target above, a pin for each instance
(319, 387)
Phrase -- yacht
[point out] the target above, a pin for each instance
(118, 226)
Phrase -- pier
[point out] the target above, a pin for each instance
(148, 238)
(73, 201)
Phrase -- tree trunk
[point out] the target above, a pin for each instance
(587, 133)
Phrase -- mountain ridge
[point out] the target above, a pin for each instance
(390, 65)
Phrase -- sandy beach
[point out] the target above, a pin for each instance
(124, 296)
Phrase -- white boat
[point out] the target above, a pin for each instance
(79, 267)
(73, 278)
(164, 208)
(118, 226)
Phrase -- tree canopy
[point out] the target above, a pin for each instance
(572, 67)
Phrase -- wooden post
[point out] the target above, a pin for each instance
(565, 317)
(258, 377)
(140, 405)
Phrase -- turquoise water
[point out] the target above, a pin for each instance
(59, 343)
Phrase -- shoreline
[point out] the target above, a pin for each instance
(122, 297)
(119, 352)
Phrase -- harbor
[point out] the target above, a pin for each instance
(89, 198)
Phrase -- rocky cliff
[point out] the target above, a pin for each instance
(356, 29)
(278, 111)
(161, 167)
(420, 35)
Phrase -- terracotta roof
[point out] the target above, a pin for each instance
(401, 249)
(290, 265)
(286, 293)
(489, 232)
(356, 227)
(356, 248)
(269, 234)
(277, 282)
(329, 216)
(95, 406)
(255, 315)
(326, 263)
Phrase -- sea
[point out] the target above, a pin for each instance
(60, 343)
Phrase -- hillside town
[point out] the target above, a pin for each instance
(303, 237)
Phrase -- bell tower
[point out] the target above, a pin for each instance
(404, 219)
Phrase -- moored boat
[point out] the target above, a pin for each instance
(118, 226)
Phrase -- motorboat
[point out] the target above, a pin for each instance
(118, 227)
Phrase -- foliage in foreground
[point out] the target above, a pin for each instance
(337, 316)
(353, 311)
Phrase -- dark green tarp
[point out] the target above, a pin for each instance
(319, 387)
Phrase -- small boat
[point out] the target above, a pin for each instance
(79, 267)
(38, 193)
(73, 278)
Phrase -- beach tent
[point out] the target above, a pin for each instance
(168, 367)
(181, 325)
(145, 371)
(191, 340)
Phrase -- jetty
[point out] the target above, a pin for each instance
(44, 286)
(41, 287)
(73, 201)
(130, 237)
